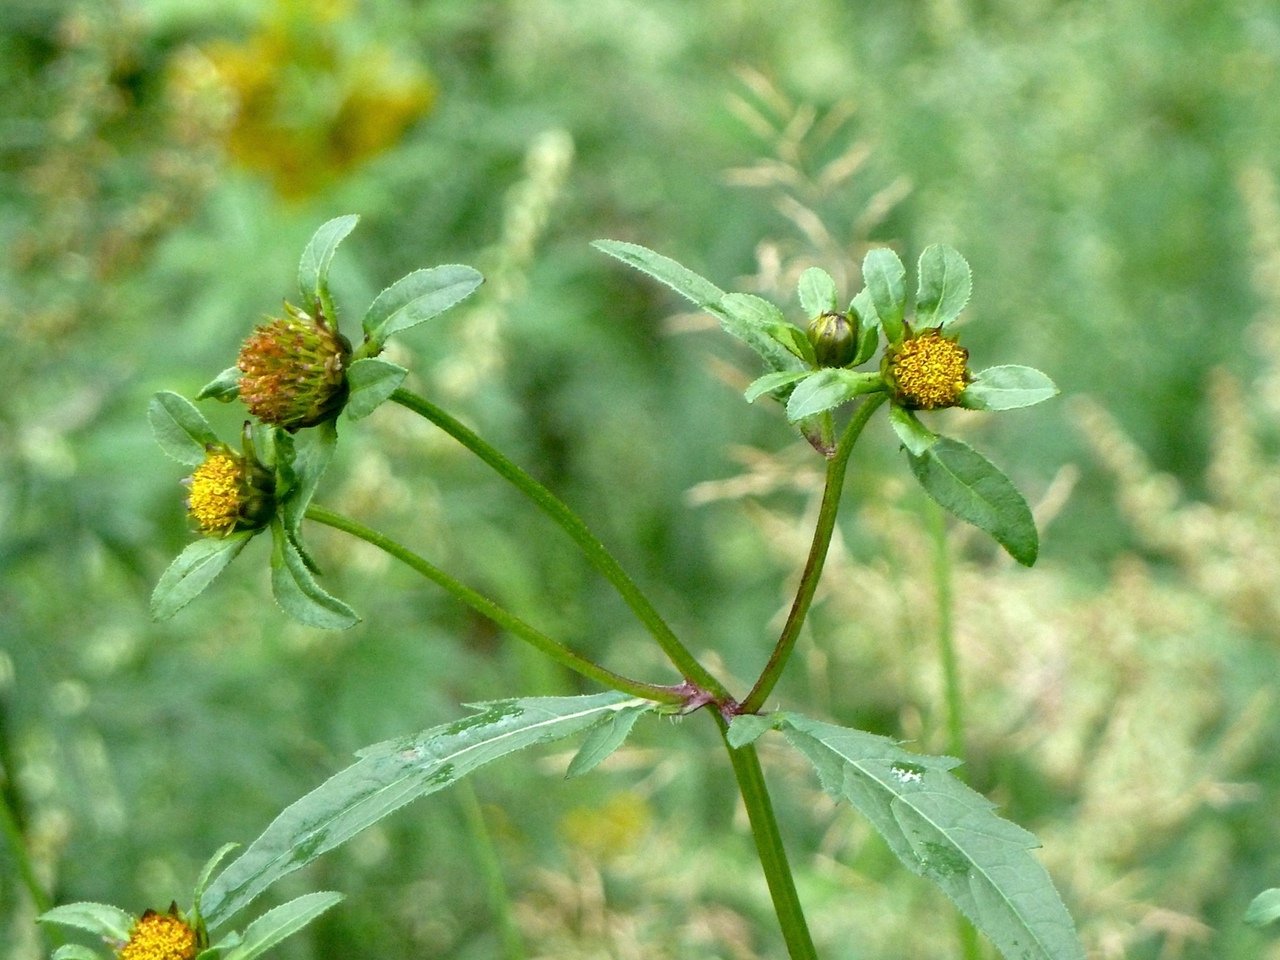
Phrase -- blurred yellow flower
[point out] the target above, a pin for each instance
(160, 936)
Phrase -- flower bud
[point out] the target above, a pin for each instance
(294, 370)
(926, 371)
(230, 492)
(835, 339)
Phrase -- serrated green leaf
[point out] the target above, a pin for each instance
(313, 268)
(180, 429)
(945, 284)
(817, 292)
(100, 919)
(193, 570)
(371, 381)
(419, 296)
(296, 591)
(679, 278)
(389, 775)
(1007, 388)
(829, 388)
(281, 922)
(974, 489)
(605, 738)
(915, 436)
(1265, 908)
(773, 381)
(761, 326)
(75, 951)
(886, 280)
(307, 466)
(864, 311)
(947, 833)
(224, 387)
(206, 871)
(747, 727)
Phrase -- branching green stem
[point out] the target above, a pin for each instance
(18, 849)
(595, 552)
(499, 615)
(836, 467)
(773, 856)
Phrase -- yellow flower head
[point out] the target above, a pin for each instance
(160, 936)
(927, 370)
(294, 371)
(230, 492)
(217, 493)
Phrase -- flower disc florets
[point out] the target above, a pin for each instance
(160, 936)
(229, 492)
(927, 370)
(294, 370)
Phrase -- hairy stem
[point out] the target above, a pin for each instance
(773, 856)
(499, 615)
(823, 530)
(595, 552)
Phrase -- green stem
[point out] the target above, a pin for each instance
(773, 856)
(499, 901)
(499, 615)
(572, 524)
(970, 943)
(836, 467)
(946, 633)
(18, 848)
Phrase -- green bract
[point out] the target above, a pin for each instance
(920, 369)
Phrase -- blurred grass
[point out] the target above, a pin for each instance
(1108, 169)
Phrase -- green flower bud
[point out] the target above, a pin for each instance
(835, 339)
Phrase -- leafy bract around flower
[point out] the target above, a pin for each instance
(232, 497)
(295, 372)
(923, 367)
(175, 935)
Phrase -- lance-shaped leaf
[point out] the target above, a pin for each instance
(1007, 388)
(371, 381)
(864, 310)
(973, 488)
(886, 280)
(679, 278)
(817, 292)
(1265, 908)
(605, 738)
(419, 296)
(294, 586)
(306, 468)
(915, 436)
(944, 286)
(313, 268)
(75, 951)
(281, 922)
(100, 919)
(829, 388)
(225, 386)
(947, 833)
(386, 777)
(773, 381)
(193, 570)
(180, 429)
(761, 326)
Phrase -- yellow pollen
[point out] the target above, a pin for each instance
(159, 936)
(215, 493)
(930, 371)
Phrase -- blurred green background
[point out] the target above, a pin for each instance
(1109, 170)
